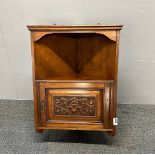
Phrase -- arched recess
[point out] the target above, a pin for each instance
(109, 34)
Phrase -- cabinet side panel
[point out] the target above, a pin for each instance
(36, 112)
(117, 55)
(114, 88)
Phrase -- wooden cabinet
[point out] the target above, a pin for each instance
(75, 76)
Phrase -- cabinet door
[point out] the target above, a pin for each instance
(73, 105)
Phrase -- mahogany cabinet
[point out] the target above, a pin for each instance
(75, 76)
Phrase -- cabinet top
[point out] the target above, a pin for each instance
(73, 27)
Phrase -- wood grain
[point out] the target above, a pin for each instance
(73, 64)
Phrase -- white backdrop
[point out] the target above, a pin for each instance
(137, 44)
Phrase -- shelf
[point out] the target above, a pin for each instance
(58, 55)
(75, 78)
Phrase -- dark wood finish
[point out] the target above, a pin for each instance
(75, 76)
(74, 105)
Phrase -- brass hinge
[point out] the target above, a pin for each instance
(42, 106)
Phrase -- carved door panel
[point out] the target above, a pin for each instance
(74, 104)
(71, 105)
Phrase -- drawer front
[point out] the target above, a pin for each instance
(74, 104)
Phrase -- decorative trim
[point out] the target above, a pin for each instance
(37, 36)
(108, 33)
(73, 27)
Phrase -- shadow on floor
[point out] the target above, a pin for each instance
(87, 137)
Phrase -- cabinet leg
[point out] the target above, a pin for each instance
(39, 130)
(111, 133)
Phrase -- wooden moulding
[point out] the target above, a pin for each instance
(109, 34)
(108, 31)
(73, 27)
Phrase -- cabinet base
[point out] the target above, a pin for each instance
(111, 133)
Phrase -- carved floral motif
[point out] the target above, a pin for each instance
(74, 105)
